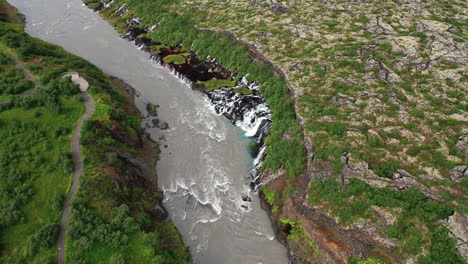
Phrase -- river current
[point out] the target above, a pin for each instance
(204, 165)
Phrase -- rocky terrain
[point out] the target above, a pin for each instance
(380, 89)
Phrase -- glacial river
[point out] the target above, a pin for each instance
(204, 170)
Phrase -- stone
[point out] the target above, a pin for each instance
(163, 125)
(246, 198)
(264, 34)
(458, 225)
(155, 122)
(277, 9)
(376, 26)
(403, 180)
(462, 144)
(152, 109)
(385, 73)
(344, 99)
(459, 173)
(408, 1)
(160, 211)
(393, 98)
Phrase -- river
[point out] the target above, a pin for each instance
(204, 169)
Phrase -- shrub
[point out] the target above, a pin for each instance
(117, 259)
(385, 169)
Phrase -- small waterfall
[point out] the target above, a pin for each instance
(109, 4)
(120, 9)
(248, 111)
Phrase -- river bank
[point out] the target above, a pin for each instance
(108, 220)
(246, 108)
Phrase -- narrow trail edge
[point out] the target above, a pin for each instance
(78, 161)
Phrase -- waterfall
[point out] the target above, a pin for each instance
(248, 111)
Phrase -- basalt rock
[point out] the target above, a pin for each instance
(155, 122)
(152, 109)
(163, 126)
(459, 173)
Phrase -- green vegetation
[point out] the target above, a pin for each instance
(216, 84)
(243, 90)
(176, 29)
(369, 83)
(112, 215)
(296, 232)
(110, 220)
(414, 210)
(367, 261)
(34, 155)
(12, 81)
(175, 59)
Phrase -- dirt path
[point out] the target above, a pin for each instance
(27, 74)
(78, 161)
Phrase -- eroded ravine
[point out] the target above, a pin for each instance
(204, 166)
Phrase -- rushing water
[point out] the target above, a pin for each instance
(204, 170)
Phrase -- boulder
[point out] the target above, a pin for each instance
(155, 122)
(152, 109)
(163, 125)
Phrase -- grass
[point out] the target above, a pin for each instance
(46, 179)
(137, 251)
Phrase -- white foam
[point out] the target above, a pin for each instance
(120, 8)
(152, 28)
(109, 4)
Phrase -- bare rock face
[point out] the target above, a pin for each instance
(459, 173)
(458, 225)
(403, 180)
(360, 170)
(377, 26)
(385, 73)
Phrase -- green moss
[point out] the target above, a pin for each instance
(174, 59)
(243, 90)
(216, 84)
